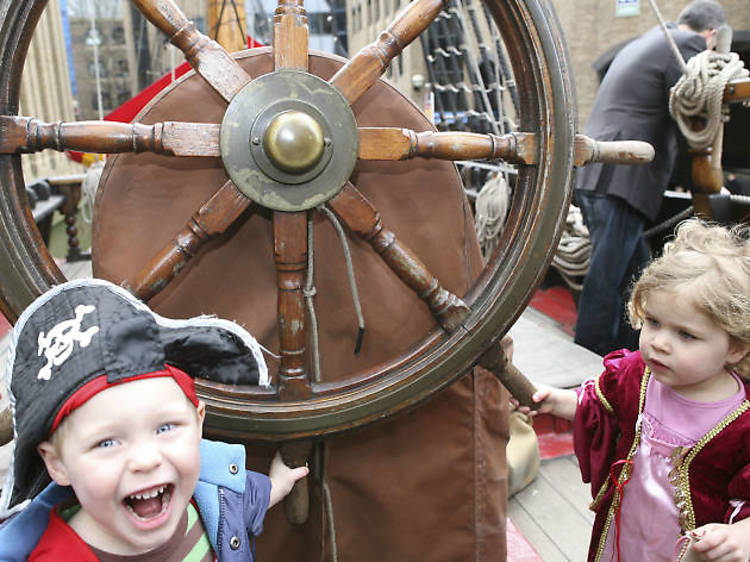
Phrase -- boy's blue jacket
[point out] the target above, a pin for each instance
(232, 502)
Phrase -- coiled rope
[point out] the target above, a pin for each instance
(573, 255)
(89, 187)
(700, 92)
(491, 207)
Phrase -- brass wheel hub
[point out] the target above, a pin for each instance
(294, 142)
(285, 153)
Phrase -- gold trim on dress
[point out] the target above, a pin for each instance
(679, 476)
(683, 498)
(627, 468)
(602, 398)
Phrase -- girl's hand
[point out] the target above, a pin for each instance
(542, 393)
(723, 543)
(283, 478)
(559, 402)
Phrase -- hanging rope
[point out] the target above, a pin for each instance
(309, 291)
(329, 542)
(237, 19)
(700, 93)
(672, 45)
(329, 517)
(350, 274)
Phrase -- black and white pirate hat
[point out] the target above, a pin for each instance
(83, 329)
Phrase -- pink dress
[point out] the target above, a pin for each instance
(649, 525)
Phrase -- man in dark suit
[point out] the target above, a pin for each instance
(616, 200)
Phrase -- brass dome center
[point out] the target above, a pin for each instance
(294, 142)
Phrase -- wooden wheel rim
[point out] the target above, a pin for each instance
(496, 299)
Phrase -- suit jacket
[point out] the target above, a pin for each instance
(633, 104)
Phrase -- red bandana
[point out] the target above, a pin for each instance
(95, 386)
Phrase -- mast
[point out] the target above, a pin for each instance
(226, 23)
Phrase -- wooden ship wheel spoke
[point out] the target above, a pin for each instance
(290, 255)
(213, 219)
(25, 135)
(391, 143)
(293, 130)
(361, 217)
(209, 59)
(293, 142)
(290, 36)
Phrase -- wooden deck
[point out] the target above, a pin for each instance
(552, 512)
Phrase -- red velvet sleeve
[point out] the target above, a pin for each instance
(739, 490)
(594, 433)
(595, 426)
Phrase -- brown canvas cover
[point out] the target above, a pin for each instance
(426, 485)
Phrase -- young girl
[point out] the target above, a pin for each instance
(663, 434)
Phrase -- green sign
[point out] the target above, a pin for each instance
(627, 8)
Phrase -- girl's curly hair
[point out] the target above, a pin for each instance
(711, 263)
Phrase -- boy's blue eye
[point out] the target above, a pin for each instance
(686, 335)
(106, 443)
(165, 427)
(652, 322)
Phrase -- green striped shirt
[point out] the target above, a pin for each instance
(188, 544)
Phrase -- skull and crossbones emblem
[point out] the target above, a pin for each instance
(57, 345)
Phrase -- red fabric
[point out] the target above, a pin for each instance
(95, 386)
(61, 542)
(719, 473)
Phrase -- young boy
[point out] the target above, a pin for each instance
(103, 407)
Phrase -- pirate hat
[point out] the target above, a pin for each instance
(87, 328)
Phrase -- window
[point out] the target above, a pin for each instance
(122, 68)
(102, 69)
(106, 100)
(118, 34)
(123, 95)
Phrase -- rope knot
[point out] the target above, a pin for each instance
(309, 292)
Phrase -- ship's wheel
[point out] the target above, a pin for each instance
(271, 137)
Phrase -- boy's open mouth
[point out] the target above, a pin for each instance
(150, 503)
